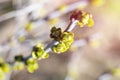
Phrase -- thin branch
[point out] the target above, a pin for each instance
(47, 49)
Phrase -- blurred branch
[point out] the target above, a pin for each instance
(21, 12)
(4, 1)
(69, 8)
(37, 6)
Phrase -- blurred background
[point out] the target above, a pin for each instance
(95, 54)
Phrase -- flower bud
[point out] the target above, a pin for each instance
(32, 65)
(83, 18)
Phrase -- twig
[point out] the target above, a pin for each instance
(49, 46)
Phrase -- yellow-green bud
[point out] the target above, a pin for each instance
(67, 37)
(90, 22)
(32, 65)
(59, 48)
(39, 52)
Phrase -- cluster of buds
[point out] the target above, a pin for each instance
(39, 52)
(83, 18)
(32, 65)
(65, 39)
(20, 62)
